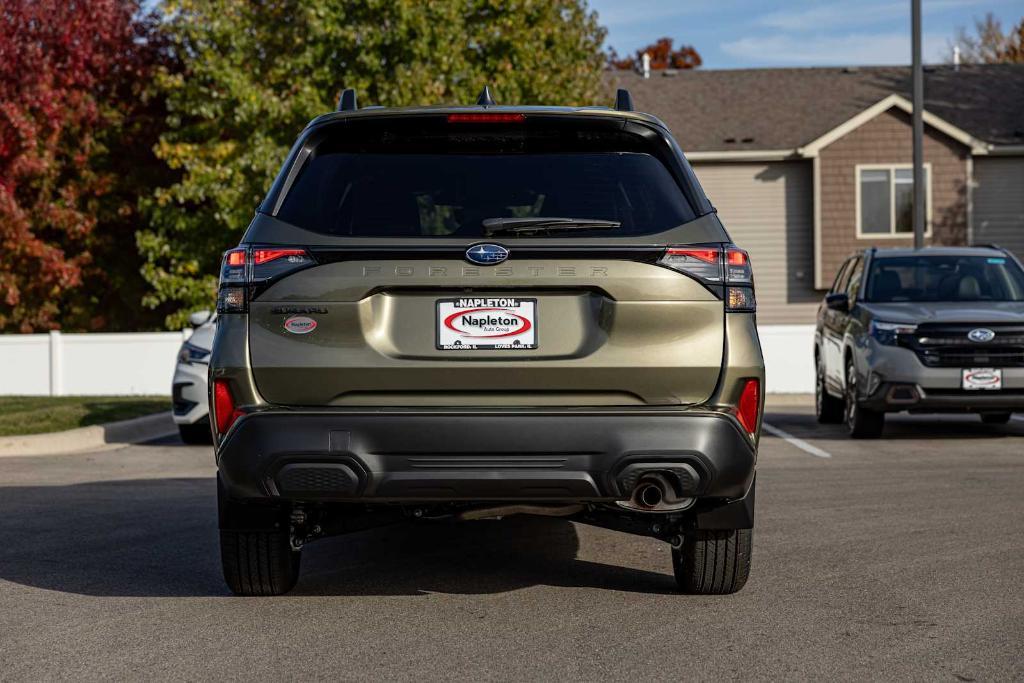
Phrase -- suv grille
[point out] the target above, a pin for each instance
(947, 346)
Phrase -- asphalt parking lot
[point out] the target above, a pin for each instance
(899, 558)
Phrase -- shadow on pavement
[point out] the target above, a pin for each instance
(158, 537)
(898, 426)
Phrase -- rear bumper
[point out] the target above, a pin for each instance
(554, 455)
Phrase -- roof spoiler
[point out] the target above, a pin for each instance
(623, 100)
(347, 101)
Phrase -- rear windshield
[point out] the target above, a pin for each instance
(945, 278)
(427, 177)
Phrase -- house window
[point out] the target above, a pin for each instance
(885, 200)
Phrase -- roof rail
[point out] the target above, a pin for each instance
(623, 100)
(485, 99)
(347, 101)
(991, 245)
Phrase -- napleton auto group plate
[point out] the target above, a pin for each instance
(982, 378)
(473, 324)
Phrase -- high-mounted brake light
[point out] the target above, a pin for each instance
(224, 411)
(486, 118)
(749, 406)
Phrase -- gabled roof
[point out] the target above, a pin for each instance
(775, 112)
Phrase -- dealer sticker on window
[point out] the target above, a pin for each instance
(486, 323)
(982, 378)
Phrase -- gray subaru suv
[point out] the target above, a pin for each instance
(934, 330)
(462, 313)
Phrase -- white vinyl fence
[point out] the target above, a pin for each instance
(55, 364)
(140, 363)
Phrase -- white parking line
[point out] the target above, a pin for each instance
(794, 441)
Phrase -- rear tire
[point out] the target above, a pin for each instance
(713, 562)
(827, 408)
(258, 560)
(258, 563)
(197, 434)
(861, 422)
(995, 418)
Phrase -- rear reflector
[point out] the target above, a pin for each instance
(749, 406)
(224, 411)
(486, 118)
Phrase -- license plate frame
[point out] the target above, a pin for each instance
(451, 332)
(981, 379)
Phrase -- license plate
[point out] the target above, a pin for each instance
(982, 378)
(474, 324)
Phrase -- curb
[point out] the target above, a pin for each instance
(112, 434)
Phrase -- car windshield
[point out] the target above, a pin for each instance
(444, 194)
(945, 278)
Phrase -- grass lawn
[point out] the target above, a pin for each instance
(38, 414)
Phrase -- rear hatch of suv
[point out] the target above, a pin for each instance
(485, 259)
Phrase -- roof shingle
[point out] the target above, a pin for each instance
(773, 109)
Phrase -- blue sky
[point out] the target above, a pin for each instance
(747, 33)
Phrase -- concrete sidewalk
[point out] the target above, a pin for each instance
(92, 438)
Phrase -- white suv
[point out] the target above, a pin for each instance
(188, 389)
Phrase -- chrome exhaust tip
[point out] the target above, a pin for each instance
(655, 493)
(648, 495)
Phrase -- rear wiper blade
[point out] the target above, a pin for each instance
(495, 226)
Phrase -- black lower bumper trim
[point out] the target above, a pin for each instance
(399, 456)
(893, 397)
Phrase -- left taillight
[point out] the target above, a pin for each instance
(724, 269)
(245, 267)
(224, 411)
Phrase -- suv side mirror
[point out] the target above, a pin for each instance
(837, 302)
(198, 318)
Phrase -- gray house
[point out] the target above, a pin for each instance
(806, 165)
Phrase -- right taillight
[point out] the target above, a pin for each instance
(716, 267)
(749, 405)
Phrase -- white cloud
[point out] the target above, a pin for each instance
(855, 48)
(850, 14)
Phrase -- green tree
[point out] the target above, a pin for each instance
(255, 71)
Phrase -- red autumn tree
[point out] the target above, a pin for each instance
(663, 56)
(72, 73)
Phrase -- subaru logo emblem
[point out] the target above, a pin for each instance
(981, 335)
(486, 254)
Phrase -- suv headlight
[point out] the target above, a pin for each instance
(190, 353)
(886, 333)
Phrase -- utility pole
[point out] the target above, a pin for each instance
(920, 207)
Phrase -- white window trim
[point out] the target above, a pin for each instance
(892, 168)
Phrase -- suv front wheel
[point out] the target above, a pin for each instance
(861, 422)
